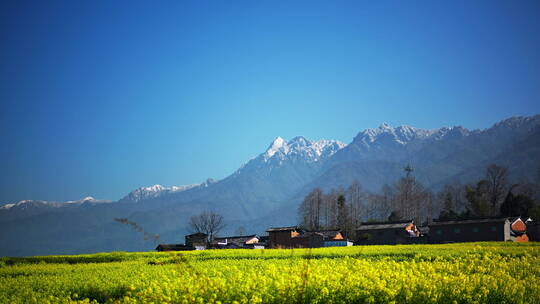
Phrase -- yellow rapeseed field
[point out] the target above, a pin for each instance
(453, 273)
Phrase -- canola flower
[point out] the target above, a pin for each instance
(455, 273)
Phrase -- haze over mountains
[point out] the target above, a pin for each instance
(267, 189)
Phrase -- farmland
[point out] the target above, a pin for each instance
(453, 273)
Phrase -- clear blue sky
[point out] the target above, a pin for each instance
(101, 97)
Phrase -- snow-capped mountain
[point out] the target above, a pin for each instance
(27, 204)
(151, 192)
(400, 135)
(88, 199)
(297, 150)
(405, 143)
(377, 156)
(300, 147)
(404, 135)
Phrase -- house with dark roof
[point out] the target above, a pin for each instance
(231, 242)
(195, 241)
(321, 238)
(294, 237)
(173, 247)
(389, 233)
(281, 237)
(533, 230)
(472, 230)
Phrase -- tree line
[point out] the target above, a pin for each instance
(408, 199)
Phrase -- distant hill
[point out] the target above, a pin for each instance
(266, 190)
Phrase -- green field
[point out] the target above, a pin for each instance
(455, 273)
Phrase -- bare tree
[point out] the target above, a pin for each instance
(344, 221)
(412, 200)
(210, 223)
(328, 209)
(378, 206)
(497, 178)
(450, 201)
(386, 202)
(355, 198)
(478, 204)
(370, 209)
(310, 210)
(316, 204)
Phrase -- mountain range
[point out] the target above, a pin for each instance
(266, 190)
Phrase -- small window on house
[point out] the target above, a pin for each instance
(475, 229)
(493, 228)
(457, 230)
(439, 231)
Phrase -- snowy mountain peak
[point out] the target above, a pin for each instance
(154, 191)
(275, 146)
(302, 148)
(82, 200)
(278, 142)
(297, 151)
(401, 135)
(300, 140)
(154, 188)
(26, 204)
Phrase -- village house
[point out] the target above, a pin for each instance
(533, 230)
(474, 230)
(195, 241)
(281, 237)
(322, 238)
(232, 242)
(334, 238)
(173, 247)
(518, 231)
(294, 237)
(388, 233)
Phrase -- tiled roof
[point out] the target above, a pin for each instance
(173, 247)
(326, 234)
(472, 221)
(404, 222)
(383, 226)
(235, 239)
(274, 229)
